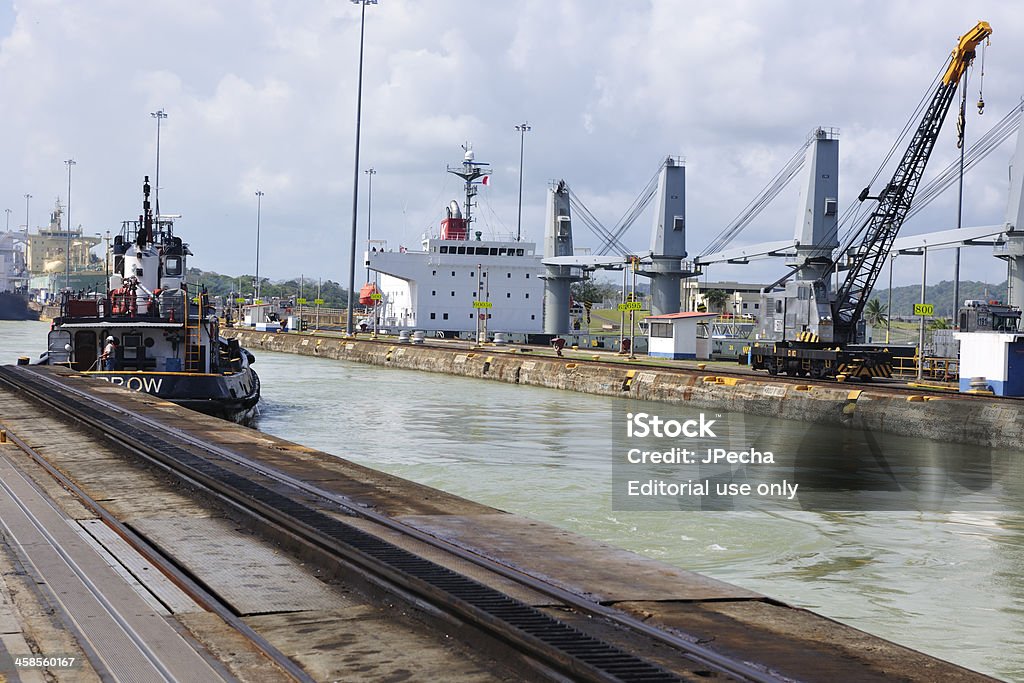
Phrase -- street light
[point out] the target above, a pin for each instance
(369, 209)
(355, 172)
(522, 128)
(67, 252)
(259, 206)
(8, 227)
(106, 258)
(158, 115)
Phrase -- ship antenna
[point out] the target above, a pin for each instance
(146, 229)
(470, 171)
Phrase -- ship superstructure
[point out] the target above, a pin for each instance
(458, 281)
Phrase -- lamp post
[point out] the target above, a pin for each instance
(28, 249)
(259, 206)
(8, 227)
(522, 128)
(369, 209)
(67, 251)
(106, 258)
(159, 115)
(355, 173)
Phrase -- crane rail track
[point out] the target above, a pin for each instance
(272, 495)
(883, 386)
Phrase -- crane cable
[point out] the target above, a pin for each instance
(581, 211)
(758, 203)
(981, 78)
(855, 225)
(634, 211)
(991, 140)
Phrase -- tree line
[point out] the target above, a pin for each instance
(231, 287)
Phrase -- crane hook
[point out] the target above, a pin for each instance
(981, 80)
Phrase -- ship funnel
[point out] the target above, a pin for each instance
(455, 209)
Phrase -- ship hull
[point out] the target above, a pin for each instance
(14, 306)
(231, 397)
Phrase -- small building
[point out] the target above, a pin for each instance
(679, 335)
(994, 360)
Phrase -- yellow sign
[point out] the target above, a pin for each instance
(376, 296)
(482, 304)
(631, 306)
(301, 300)
(258, 301)
(924, 309)
(318, 302)
(240, 300)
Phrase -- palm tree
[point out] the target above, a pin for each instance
(876, 313)
(939, 324)
(716, 298)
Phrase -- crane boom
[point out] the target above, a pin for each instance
(895, 199)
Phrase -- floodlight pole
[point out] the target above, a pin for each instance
(349, 327)
(522, 128)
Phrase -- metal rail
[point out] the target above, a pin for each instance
(179, 577)
(529, 629)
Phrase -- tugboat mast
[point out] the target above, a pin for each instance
(470, 171)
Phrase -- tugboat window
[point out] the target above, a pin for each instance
(172, 266)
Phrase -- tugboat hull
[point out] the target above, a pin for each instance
(231, 397)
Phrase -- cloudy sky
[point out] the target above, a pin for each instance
(260, 95)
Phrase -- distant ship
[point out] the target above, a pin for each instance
(458, 282)
(167, 339)
(13, 289)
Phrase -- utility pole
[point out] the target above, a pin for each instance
(259, 203)
(159, 115)
(369, 209)
(67, 230)
(522, 128)
(349, 328)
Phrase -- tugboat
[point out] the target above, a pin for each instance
(150, 333)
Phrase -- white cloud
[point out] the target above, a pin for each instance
(262, 96)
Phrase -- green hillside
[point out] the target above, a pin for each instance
(940, 294)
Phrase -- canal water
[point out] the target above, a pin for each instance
(947, 583)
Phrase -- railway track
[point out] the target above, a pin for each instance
(317, 517)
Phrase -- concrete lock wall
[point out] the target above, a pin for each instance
(981, 421)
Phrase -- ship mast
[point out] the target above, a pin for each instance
(470, 171)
